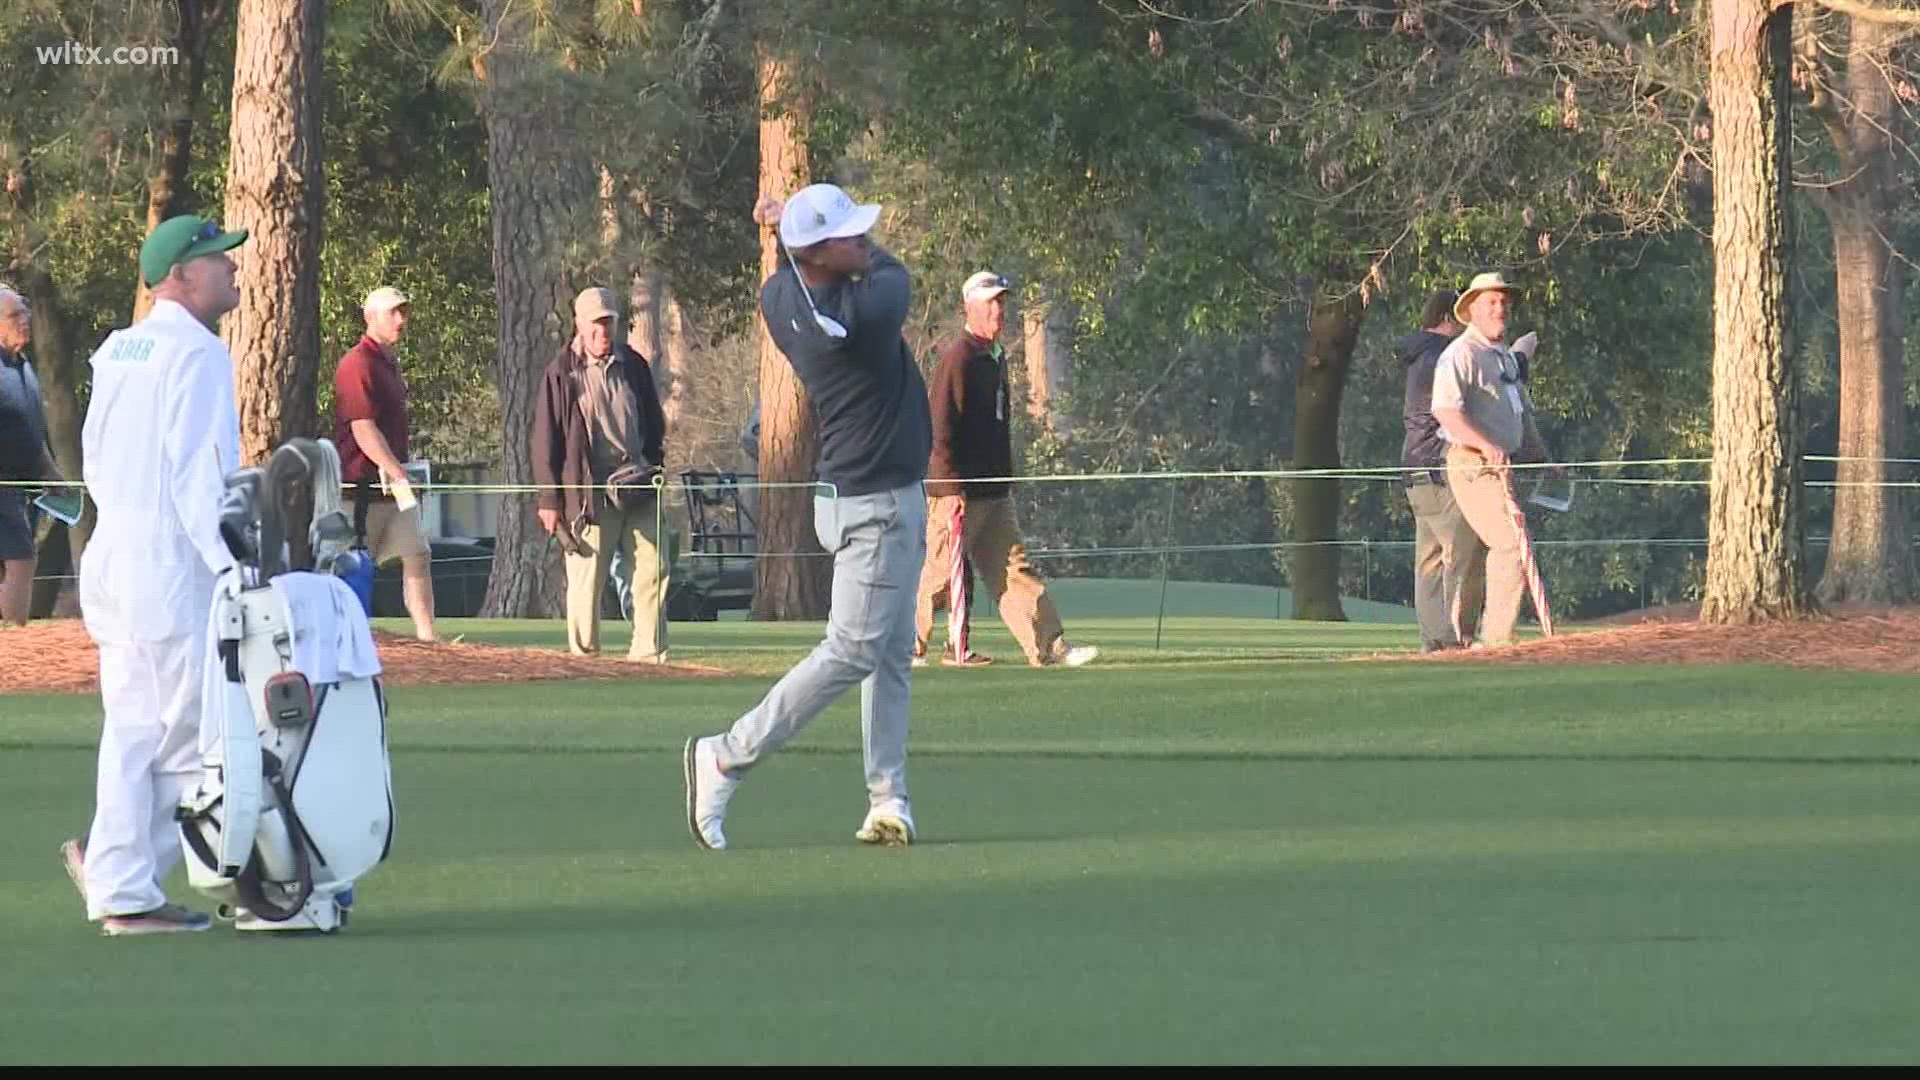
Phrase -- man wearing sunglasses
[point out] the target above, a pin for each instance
(836, 310)
(1485, 411)
(969, 498)
(160, 437)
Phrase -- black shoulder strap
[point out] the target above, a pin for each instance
(362, 496)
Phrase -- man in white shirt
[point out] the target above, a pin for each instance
(161, 435)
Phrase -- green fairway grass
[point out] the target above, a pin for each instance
(1223, 850)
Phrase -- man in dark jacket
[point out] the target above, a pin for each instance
(1449, 561)
(23, 456)
(599, 438)
(969, 503)
(836, 310)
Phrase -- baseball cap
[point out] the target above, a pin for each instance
(595, 304)
(384, 298)
(984, 285)
(179, 239)
(824, 212)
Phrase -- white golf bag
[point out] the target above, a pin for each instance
(296, 802)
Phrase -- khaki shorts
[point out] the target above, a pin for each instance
(393, 533)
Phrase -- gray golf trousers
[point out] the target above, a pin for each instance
(878, 543)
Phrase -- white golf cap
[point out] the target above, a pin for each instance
(984, 285)
(384, 298)
(824, 212)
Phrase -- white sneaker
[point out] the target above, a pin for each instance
(889, 826)
(1080, 655)
(708, 790)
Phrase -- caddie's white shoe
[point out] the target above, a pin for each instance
(890, 825)
(73, 855)
(708, 790)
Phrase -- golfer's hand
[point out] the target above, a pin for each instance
(1496, 457)
(549, 519)
(767, 211)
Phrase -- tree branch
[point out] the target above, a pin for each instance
(1868, 12)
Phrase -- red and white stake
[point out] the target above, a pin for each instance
(1535, 586)
(958, 581)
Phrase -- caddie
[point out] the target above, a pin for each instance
(160, 437)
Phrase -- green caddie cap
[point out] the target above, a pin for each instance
(178, 239)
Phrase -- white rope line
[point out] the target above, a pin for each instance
(1389, 472)
(1145, 549)
(1369, 472)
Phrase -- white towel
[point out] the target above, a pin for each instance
(331, 637)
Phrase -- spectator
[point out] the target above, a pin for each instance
(969, 498)
(599, 438)
(1449, 562)
(371, 429)
(1487, 415)
(23, 456)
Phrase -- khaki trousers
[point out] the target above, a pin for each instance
(1483, 495)
(1449, 568)
(1000, 556)
(635, 533)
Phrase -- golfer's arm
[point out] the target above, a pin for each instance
(374, 445)
(880, 303)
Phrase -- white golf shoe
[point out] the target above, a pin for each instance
(708, 791)
(890, 825)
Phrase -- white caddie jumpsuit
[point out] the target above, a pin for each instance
(161, 435)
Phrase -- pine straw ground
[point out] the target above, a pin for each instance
(57, 656)
(1846, 639)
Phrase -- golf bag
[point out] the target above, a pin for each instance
(296, 801)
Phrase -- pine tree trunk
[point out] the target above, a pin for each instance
(645, 302)
(535, 187)
(1047, 344)
(1871, 557)
(167, 193)
(676, 360)
(793, 579)
(660, 334)
(276, 189)
(1332, 329)
(1756, 561)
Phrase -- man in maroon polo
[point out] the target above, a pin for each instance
(370, 431)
